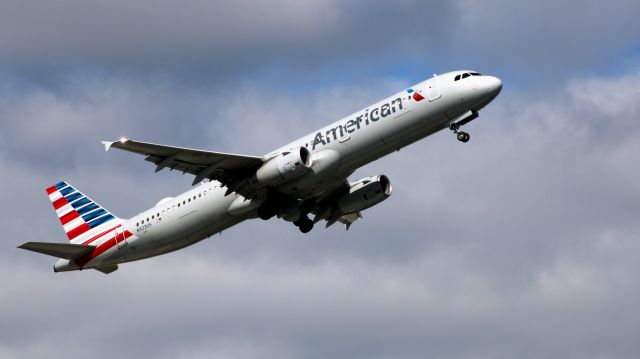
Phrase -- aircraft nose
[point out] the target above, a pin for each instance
(493, 85)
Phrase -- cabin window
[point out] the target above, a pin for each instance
(189, 200)
(137, 224)
(194, 198)
(199, 194)
(152, 216)
(178, 204)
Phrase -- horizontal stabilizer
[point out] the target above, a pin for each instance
(60, 250)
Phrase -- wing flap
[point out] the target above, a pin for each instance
(60, 250)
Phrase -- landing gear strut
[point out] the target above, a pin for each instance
(305, 225)
(461, 135)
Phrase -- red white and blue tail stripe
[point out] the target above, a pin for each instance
(82, 218)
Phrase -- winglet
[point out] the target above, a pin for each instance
(107, 145)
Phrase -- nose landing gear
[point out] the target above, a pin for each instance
(461, 120)
(461, 135)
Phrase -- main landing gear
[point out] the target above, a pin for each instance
(266, 212)
(304, 224)
(461, 135)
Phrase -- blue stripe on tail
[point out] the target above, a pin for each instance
(101, 220)
(72, 197)
(65, 191)
(94, 214)
(80, 202)
(87, 208)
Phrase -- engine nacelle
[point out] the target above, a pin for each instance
(284, 167)
(365, 193)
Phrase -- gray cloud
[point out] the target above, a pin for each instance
(240, 36)
(214, 42)
(521, 243)
(547, 39)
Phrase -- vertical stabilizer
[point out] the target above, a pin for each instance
(81, 218)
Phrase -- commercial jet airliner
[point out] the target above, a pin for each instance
(307, 177)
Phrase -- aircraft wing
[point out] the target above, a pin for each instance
(234, 171)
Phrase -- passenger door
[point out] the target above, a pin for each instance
(433, 88)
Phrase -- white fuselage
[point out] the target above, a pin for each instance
(345, 145)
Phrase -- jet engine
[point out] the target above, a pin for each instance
(365, 193)
(284, 167)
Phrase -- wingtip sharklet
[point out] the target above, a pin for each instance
(107, 145)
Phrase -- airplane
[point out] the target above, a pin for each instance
(305, 177)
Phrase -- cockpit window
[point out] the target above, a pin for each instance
(465, 75)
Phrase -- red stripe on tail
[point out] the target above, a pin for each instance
(108, 244)
(69, 217)
(51, 189)
(78, 231)
(59, 203)
(98, 235)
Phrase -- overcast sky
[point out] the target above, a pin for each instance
(522, 243)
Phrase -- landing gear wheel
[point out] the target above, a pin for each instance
(265, 213)
(305, 225)
(463, 136)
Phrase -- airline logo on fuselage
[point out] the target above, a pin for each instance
(362, 120)
(416, 94)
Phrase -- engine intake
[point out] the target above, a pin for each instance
(365, 193)
(284, 167)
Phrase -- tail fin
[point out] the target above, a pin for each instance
(81, 217)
